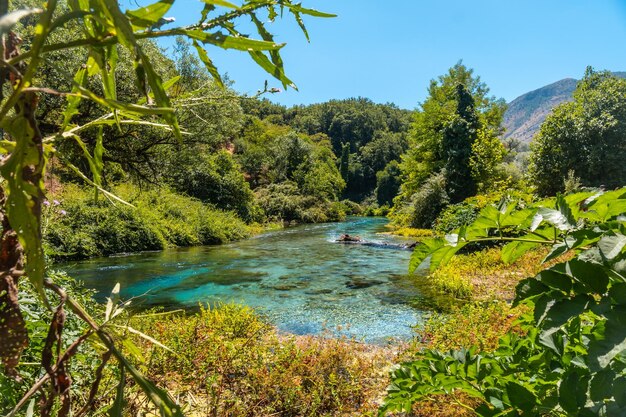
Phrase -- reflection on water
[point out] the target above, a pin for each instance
(298, 277)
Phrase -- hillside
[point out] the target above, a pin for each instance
(527, 112)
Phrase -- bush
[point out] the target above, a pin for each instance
(455, 216)
(78, 227)
(213, 178)
(426, 204)
(285, 202)
(351, 208)
(231, 362)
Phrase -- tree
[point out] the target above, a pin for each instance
(585, 135)
(388, 183)
(425, 153)
(457, 142)
(98, 27)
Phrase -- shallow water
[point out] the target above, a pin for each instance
(302, 280)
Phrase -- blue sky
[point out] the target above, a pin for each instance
(389, 50)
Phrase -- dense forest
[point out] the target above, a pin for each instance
(113, 145)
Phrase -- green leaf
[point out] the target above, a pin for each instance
(120, 23)
(423, 250)
(117, 409)
(529, 288)
(310, 12)
(204, 57)
(148, 16)
(160, 95)
(601, 385)
(617, 293)
(619, 391)
(222, 3)
(612, 246)
(560, 312)
(557, 250)
(512, 251)
(233, 42)
(73, 100)
(556, 280)
(573, 391)
(520, 396)
(24, 189)
(272, 69)
(609, 341)
(591, 275)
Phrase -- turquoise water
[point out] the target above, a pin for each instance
(302, 280)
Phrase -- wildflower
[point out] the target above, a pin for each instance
(56, 202)
(46, 203)
(63, 212)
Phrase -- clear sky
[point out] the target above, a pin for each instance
(388, 50)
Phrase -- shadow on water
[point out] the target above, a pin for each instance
(299, 278)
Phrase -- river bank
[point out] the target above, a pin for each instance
(299, 277)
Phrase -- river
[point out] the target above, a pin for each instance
(299, 277)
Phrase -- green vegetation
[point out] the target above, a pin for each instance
(453, 148)
(111, 146)
(595, 121)
(567, 359)
(76, 227)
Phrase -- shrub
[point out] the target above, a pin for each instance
(455, 216)
(426, 204)
(285, 202)
(80, 228)
(231, 362)
(214, 178)
(351, 208)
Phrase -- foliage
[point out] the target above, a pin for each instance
(457, 143)
(388, 183)
(455, 216)
(286, 202)
(426, 153)
(214, 178)
(569, 359)
(486, 159)
(363, 135)
(593, 122)
(231, 362)
(425, 205)
(79, 227)
(38, 317)
(472, 324)
(412, 232)
(96, 28)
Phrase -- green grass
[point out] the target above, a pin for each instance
(79, 227)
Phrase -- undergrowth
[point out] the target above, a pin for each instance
(75, 226)
(228, 361)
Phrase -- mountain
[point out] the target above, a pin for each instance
(526, 113)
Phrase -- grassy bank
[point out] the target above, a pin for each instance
(229, 361)
(75, 226)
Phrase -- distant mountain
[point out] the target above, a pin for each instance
(526, 113)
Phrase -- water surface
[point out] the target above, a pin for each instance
(302, 280)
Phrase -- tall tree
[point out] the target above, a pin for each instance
(426, 154)
(585, 135)
(456, 145)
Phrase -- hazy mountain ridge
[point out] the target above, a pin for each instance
(527, 112)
